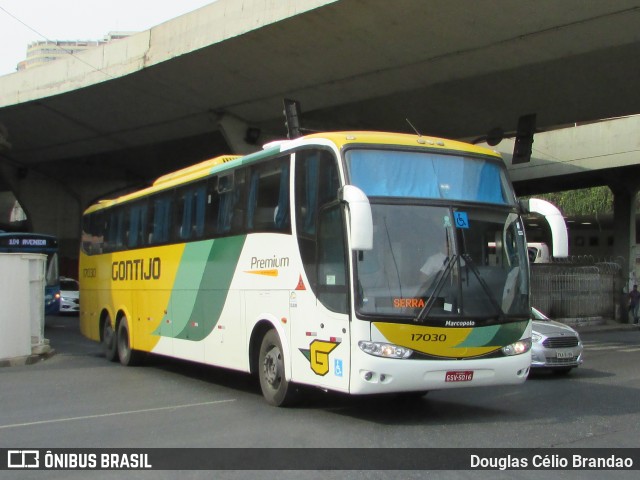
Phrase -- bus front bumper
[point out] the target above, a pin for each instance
(376, 375)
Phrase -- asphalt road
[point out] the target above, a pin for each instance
(78, 399)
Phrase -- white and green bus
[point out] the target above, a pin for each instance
(356, 262)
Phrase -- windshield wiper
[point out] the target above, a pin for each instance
(448, 264)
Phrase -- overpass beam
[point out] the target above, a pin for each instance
(240, 136)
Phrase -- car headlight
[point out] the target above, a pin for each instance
(386, 350)
(536, 337)
(518, 348)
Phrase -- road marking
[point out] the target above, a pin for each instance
(103, 415)
(605, 346)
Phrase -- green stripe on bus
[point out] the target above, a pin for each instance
(496, 335)
(211, 296)
(200, 288)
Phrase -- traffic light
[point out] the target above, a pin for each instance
(524, 139)
(292, 118)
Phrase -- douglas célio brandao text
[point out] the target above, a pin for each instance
(550, 462)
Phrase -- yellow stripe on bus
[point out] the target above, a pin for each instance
(267, 273)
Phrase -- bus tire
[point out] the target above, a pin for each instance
(276, 389)
(109, 340)
(128, 356)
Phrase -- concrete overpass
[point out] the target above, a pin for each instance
(122, 114)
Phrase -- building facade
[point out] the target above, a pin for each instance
(44, 51)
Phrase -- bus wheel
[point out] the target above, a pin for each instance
(109, 344)
(128, 356)
(275, 388)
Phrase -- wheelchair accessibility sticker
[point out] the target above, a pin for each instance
(337, 367)
(462, 220)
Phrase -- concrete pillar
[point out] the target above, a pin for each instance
(51, 207)
(624, 227)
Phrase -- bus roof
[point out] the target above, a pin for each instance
(342, 139)
(339, 139)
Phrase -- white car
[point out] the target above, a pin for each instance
(69, 295)
(554, 346)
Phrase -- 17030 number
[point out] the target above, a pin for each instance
(428, 337)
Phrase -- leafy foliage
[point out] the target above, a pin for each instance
(587, 201)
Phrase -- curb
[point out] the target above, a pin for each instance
(620, 327)
(26, 359)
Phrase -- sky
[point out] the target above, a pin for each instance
(26, 21)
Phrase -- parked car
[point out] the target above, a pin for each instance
(554, 346)
(69, 295)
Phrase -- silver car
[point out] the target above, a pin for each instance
(554, 346)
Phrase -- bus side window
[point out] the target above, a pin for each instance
(200, 203)
(316, 184)
(212, 208)
(116, 230)
(268, 198)
(93, 233)
(191, 212)
(137, 225)
(232, 191)
(332, 261)
(162, 218)
(225, 192)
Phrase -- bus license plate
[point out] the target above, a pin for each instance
(460, 376)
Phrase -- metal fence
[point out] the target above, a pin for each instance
(577, 288)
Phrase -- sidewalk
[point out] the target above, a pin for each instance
(597, 324)
(26, 360)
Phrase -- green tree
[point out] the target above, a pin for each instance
(587, 201)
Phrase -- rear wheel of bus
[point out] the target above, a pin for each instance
(275, 387)
(127, 355)
(109, 340)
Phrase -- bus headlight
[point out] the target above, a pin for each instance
(518, 348)
(386, 350)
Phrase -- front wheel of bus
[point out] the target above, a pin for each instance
(275, 387)
(109, 340)
(128, 356)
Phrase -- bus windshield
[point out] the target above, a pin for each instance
(433, 175)
(440, 254)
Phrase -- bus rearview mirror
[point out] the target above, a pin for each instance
(361, 219)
